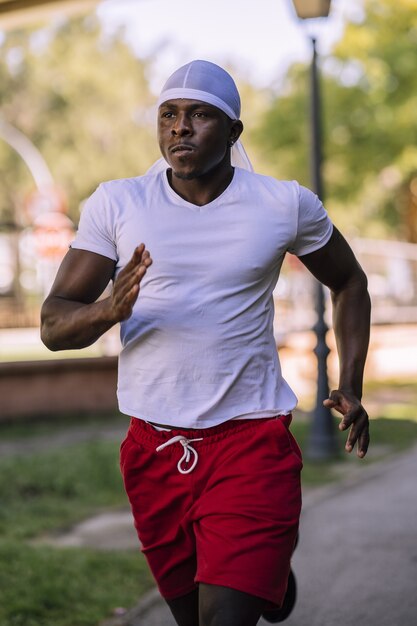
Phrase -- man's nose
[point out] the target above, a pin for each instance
(182, 125)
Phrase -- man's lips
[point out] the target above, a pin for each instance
(181, 148)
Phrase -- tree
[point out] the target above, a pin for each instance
(83, 99)
(370, 123)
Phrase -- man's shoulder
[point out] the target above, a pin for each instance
(269, 183)
(133, 184)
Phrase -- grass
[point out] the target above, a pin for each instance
(44, 586)
(387, 436)
(49, 491)
(71, 587)
(21, 430)
(393, 428)
(43, 491)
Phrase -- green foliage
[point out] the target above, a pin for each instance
(40, 492)
(369, 97)
(284, 129)
(50, 490)
(58, 488)
(83, 100)
(67, 587)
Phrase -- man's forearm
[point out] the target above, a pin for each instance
(351, 322)
(67, 325)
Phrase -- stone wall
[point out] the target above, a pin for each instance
(57, 387)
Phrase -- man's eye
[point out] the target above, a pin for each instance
(199, 114)
(167, 114)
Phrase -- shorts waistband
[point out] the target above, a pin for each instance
(145, 434)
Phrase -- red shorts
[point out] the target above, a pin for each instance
(232, 520)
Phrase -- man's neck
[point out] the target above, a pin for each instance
(202, 189)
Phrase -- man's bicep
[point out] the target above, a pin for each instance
(82, 276)
(334, 264)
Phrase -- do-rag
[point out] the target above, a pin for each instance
(210, 83)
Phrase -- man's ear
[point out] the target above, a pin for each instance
(236, 128)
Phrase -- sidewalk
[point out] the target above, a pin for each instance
(357, 557)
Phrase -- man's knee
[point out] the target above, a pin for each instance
(221, 606)
(185, 609)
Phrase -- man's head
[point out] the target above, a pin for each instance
(198, 118)
(204, 81)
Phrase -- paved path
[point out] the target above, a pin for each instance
(356, 562)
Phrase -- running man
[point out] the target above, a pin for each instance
(210, 466)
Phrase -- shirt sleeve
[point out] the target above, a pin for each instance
(96, 229)
(314, 227)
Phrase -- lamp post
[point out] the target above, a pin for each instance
(322, 439)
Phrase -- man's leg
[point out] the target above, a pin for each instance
(185, 609)
(222, 606)
(213, 605)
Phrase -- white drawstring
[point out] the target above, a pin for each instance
(187, 452)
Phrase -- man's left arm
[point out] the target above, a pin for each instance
(335, 266)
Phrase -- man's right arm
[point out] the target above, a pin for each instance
(71, 316)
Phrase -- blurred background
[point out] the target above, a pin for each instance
(78, 85)
(77, 90)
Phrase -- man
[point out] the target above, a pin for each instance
(210, 466)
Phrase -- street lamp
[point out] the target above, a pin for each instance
(322, 439)
(307, 9)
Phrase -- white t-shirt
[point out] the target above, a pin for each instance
(199, 347)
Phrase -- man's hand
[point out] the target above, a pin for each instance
(72, 316)
(127, 285)
(354, 417)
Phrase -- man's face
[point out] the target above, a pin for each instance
(193, 136)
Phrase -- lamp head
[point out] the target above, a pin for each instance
(307, 9)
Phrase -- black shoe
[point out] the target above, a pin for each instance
(274, 616)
